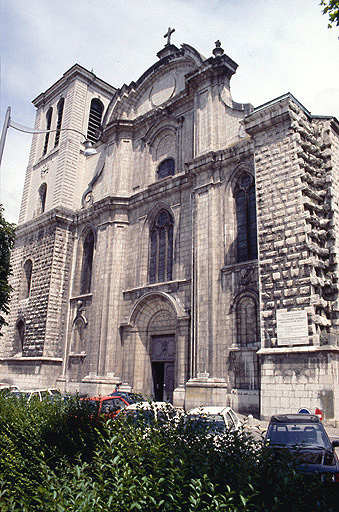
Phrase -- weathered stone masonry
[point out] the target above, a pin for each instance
(166, 261)
(297, 265)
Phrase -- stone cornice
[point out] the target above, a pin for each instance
(74, 72)
(56, 216)
(297, 349)
(214, 66)
(140, 125)
(278, 110)
(160, 188)
(269, 115)
(239, 266)
(212, 158)
(38, 360)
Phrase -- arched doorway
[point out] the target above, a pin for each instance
(152, 354)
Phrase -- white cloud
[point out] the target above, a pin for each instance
(280, 46)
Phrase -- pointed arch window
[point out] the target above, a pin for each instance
(27, 279)
(60, 110)
(87, 263)
(161, 253)
(94, 120)
(166, 168)
(48, 127)
(42, 198)
(246, 219)
(247, 321)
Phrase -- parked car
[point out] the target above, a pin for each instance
(36, 394)
(214, 419)
(8, 387)
(108, 405)
(305, 436)
(41, 394)
(149, 412)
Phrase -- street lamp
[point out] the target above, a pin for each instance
(89, 149)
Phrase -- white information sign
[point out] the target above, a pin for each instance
(292, 327)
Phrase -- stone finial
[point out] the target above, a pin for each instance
(218, 51)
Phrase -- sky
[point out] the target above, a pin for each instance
(280, 46)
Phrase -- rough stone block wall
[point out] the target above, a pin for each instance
(281, 227)
(291, 208)
(56, 323)
(294, 220)
(295, 188)
(38, 245)
(329, 140)
(43, 311)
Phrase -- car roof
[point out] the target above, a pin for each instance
(295, 418)
(150, 405)
(209, 410)
(39, 389)
(106, 397)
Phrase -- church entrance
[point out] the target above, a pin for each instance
(162, 359)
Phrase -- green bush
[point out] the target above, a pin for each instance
(35, 431)
(57, 458)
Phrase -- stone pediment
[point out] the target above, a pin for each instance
(159, 84)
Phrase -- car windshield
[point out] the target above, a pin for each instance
(148, 416)
(91, 405)
(130, 398)
(20, 394)
(292, 434)
(54, 392)
(111, 405)
(141, 416)
(211, 422)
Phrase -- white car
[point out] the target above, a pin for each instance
(40, 394)
(215, 418)
(9, 387)
(149, 411)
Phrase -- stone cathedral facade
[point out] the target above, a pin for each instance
(193, 257)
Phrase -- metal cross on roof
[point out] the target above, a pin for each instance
(168, 34)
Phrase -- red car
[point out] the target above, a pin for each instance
(107, 405)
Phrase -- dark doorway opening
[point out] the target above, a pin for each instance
(163, 381)
(163, 351)
(158, 381)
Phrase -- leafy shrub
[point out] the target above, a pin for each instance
(47, 430)
(76, 464)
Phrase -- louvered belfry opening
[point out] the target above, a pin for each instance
(94, 120)
(59, 121)
(48, 127)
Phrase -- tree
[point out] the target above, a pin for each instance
(331, 7)
(7, 238)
